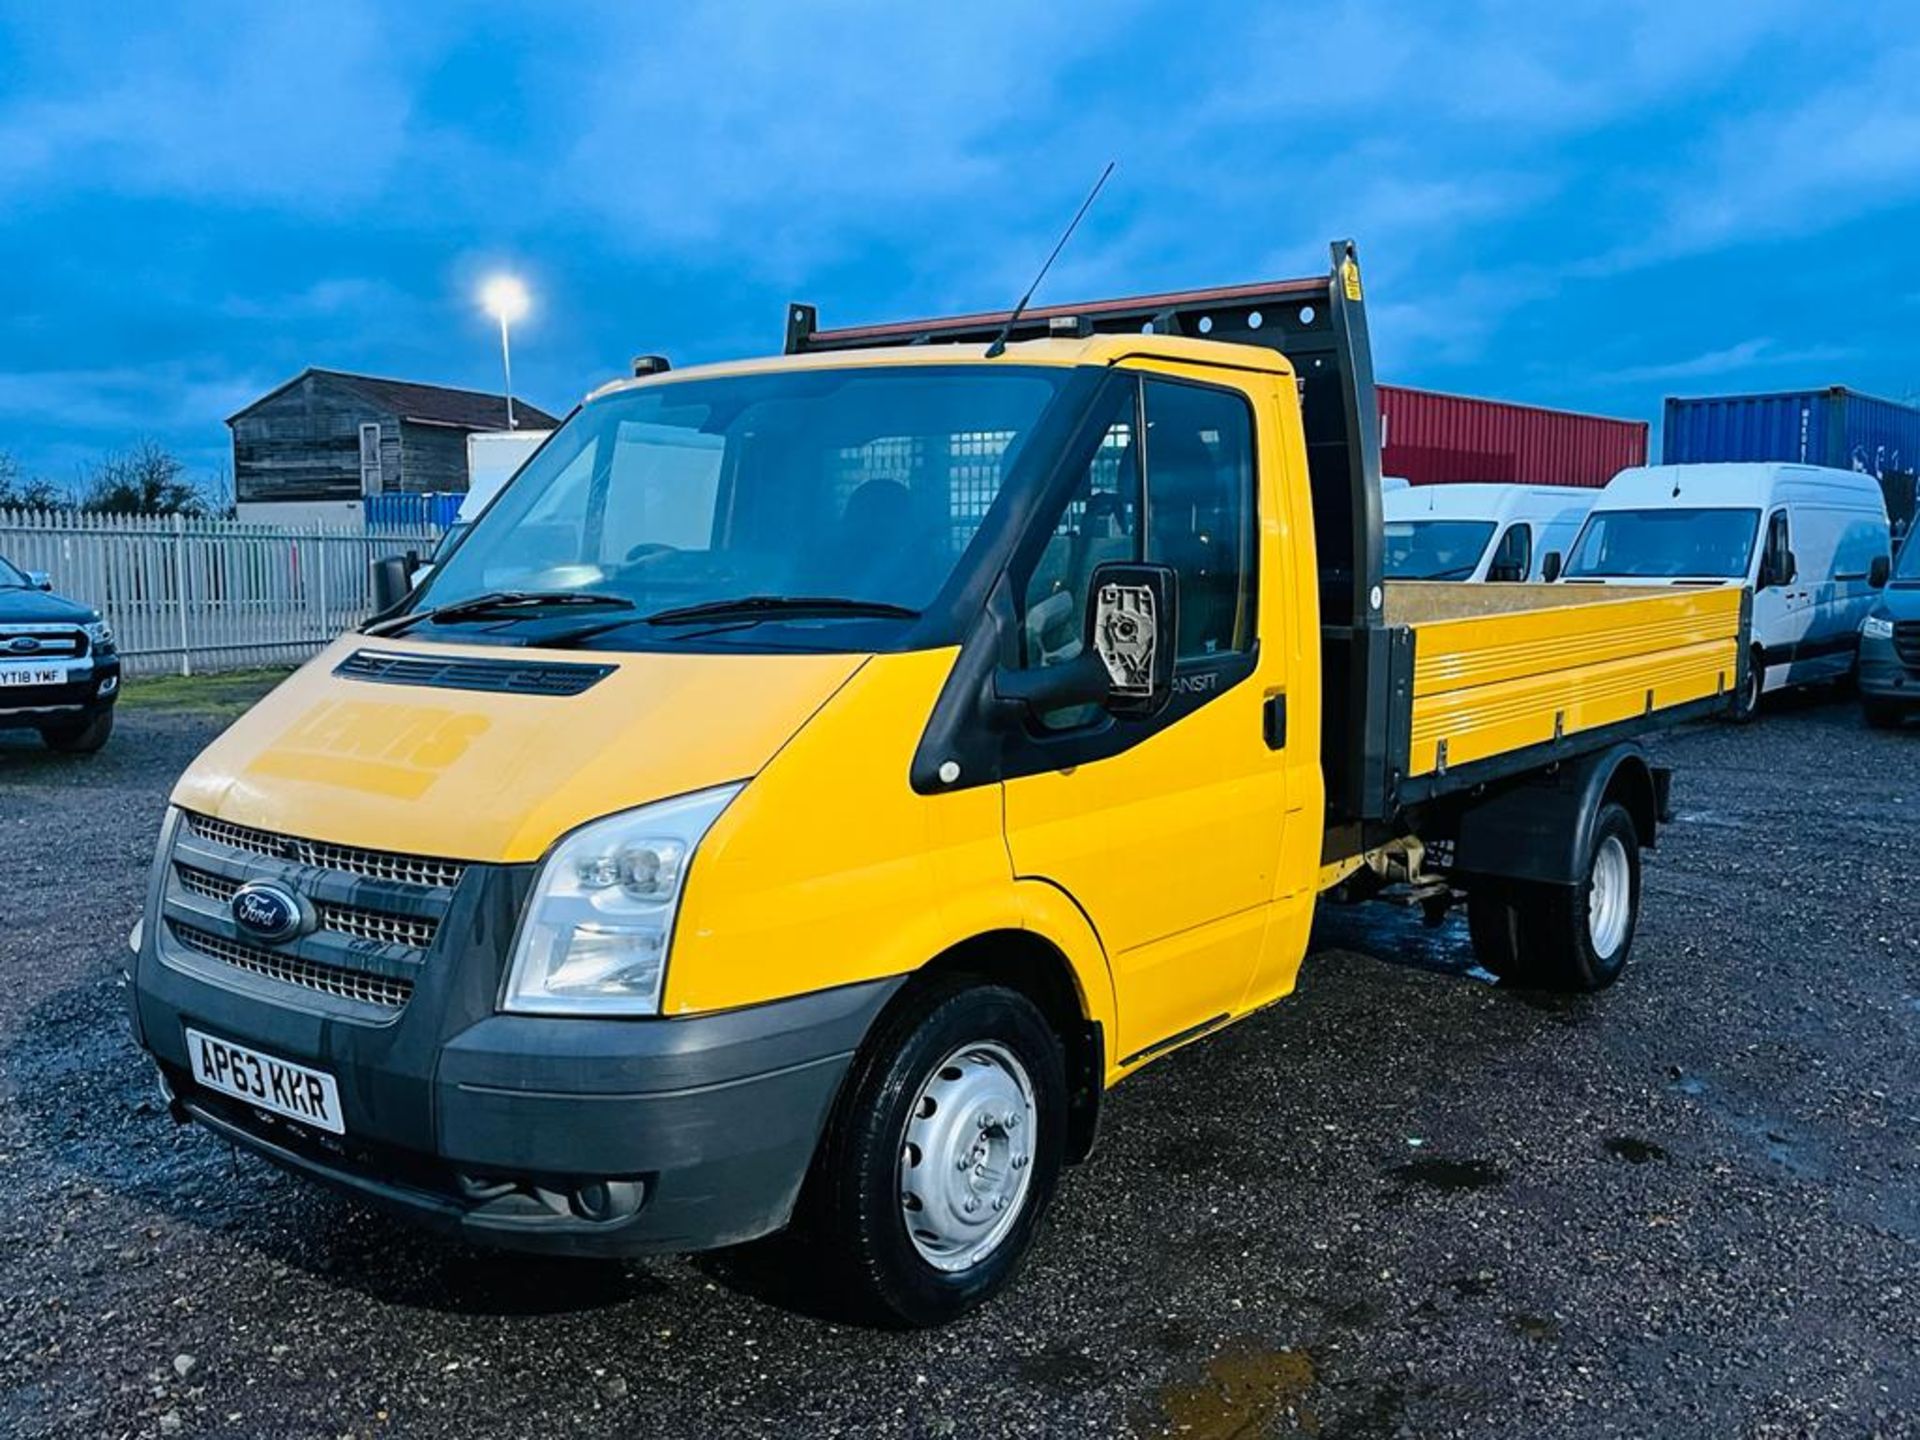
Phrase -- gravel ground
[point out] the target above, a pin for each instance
(1407, 1202)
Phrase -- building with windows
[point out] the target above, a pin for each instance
(313, 449)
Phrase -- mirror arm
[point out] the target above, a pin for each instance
(1081, 681)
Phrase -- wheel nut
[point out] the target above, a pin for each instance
(970, 1206)
(1000, 1202)
(984, 1120)
(1019, 1162)
(1012, 1122)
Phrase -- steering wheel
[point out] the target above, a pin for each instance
(649, 549)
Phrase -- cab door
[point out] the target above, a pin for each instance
(1169, 845)
(1782, 609)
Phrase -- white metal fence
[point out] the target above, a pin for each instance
(191, 595)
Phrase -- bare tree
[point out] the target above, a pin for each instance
(17, 493)
(146, 480)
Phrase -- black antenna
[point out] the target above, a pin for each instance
(999, 345)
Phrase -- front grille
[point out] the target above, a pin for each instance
(510, 677)
(50, 642)
(373, 864)
(1906, 642)
(413, 932)
(362, 986)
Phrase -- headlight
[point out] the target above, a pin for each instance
(1877, 627)
(595, 935)
(99, 634)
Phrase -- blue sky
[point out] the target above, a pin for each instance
(1589, 204)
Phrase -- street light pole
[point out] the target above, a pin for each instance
(506, 297)
(506, 364)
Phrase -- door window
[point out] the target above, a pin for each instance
(1773, 564)
(1200, 511)
(1184, 499)
(1514, 559)
(1101, 523)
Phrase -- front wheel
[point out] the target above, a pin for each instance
(82, 739)
(1883, 714)
(942, 1157)
(1571, 937)
(1746, 705)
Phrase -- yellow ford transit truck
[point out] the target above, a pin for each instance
(814, 782)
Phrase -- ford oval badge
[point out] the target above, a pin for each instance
(24, 644)
(266, 909)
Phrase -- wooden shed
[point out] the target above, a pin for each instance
(329, 437)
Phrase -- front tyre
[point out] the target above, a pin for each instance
(943, 1155)
(1882, 714)
(83, 739)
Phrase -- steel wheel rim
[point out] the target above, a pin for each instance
(966, 1157)
(1609, 897)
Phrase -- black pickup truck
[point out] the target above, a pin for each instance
(58, 670)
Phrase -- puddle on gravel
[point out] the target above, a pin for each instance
(1534, 1327)
(1450, 1175)
(1634, 1150)
(1774, 1137)
(1247, 1392)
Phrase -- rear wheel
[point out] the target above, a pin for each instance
(942, 1157)
(81, 739)
(1746, 705)
(1883, 714)
(1571, 937)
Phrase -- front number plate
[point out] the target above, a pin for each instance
(11, 675)
(309, 1096)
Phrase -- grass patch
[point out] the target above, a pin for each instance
(228, 693)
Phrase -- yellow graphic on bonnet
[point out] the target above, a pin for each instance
(396, 750)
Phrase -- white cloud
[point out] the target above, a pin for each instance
(1755, 354)
(1840, 152)
(298, 106)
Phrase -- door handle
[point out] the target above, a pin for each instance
(1273, 721)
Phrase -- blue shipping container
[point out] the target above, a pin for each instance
(406, 508)
(1836, 427)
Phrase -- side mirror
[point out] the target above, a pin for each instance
(392, 580)
(1550, 566)
(1879, 572)
(1126, 661)
(39, 580)
(1507, 572)
(1133, 625)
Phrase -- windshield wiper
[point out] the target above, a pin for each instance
(501, 602)
(744, 610)
(751, 607)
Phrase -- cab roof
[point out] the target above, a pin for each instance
(1486, 501)
(1740, 484)
(1099, 350)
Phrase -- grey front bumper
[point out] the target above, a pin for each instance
(584, 1137)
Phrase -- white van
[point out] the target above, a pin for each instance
(1804, 538)
(1480, 532)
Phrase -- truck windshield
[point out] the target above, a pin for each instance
(857, 485)
(1665, 544)
(1435, 549)
(1906, 565)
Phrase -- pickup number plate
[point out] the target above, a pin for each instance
(32, 675)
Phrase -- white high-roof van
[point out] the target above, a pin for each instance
(1809, 542)
(1480, 532)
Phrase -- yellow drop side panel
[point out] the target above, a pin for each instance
(1486, 684)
